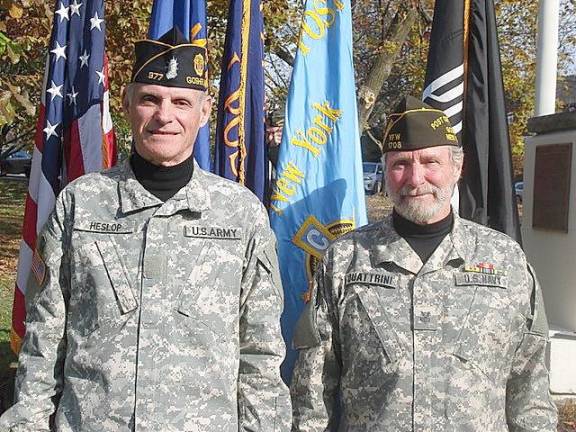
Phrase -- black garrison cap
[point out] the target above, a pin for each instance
(415, 125)
(171, 61)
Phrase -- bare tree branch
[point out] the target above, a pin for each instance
(283, 54)
(426, 17)
(397, 35)
(277, 73)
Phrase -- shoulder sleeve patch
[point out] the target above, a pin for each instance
(38, 267)
(539, 324)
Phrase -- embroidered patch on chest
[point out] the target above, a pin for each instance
(378, 279)
(105, 227)
(213, 232)
(470, 278)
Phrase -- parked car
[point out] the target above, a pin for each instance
(18, 162)
(372, 177)
(519, 190)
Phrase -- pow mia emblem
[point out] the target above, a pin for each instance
(314, 238)
(172, 71)
(199, 64)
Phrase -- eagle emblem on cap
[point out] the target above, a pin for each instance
(199, 64)
(172, 71)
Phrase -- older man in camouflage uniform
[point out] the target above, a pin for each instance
(155, 305)
(424, 321)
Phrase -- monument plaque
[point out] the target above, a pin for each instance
(551, 200)
(549, 236)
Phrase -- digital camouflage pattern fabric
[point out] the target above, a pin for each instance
(151, 316)
(454, 344)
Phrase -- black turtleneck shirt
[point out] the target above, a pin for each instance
(162, 182)
(423, 239)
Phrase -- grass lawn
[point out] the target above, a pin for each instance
(567, 416)
(12, 195)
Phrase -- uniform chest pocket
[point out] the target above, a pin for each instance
(369, 333)
(373, 353)
(101, 292)
(208, 302)
(487, 330)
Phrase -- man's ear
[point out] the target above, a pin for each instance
(457, 171)
(125, 101)
(206, 110)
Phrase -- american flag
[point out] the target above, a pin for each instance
(74, 133)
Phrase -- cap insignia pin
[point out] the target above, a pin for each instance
(172, 71)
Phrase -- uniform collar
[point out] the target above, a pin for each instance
(451, 251)
(392, 248)
(134, 197)
(464, 245)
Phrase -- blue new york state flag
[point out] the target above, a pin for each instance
(190, 17)
(319, 191)
(240, 153)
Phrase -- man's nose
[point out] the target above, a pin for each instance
(164, 112)
(416, 175)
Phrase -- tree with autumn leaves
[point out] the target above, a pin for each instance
(25, 27)
(390, 40)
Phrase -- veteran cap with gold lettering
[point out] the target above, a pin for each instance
(416, 125)
(171, 61)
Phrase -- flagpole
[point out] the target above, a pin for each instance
(547, 57)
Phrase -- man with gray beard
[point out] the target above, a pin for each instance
(423, 321)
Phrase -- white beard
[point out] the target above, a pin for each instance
(414, 211)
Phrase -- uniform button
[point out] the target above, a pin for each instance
(425, 317)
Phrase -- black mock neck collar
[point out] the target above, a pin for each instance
(161, 181)
(423, 239)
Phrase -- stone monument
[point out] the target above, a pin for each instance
(549, 235)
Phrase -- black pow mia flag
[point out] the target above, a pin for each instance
(464, 79)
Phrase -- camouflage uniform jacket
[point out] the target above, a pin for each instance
(432, 347)
(151, 316)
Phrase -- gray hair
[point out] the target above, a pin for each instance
(128, 92)
(457, 155)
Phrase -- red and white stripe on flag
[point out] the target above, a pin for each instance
(74, 133)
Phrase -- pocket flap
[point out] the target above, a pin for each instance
(482, 342)
(117, 276)
(379, 321)
(306, 334)
(468, 354)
